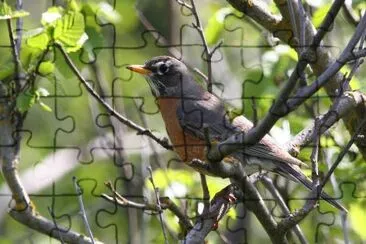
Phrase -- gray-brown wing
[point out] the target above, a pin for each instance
(208, 114)
(267, 148)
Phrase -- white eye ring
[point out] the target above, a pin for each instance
(163, 68)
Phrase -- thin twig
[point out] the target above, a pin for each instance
(199, 72)
(302, 20)
(19, 25)
(207, 52)
(141, 131)
(255, 111)
(156, 191)
(165, 203)
(333, 180)
(206, 193)
(284, 104)
(295, 29)
(268, 183)
(55, 223)
(219, 206)
(163, 41)
(184, 4)
(341, 107)
(82, 209)
(15, 53)
(315, 155)
(342, 154)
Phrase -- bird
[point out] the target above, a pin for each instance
(194, 117)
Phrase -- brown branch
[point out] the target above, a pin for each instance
(341, 108)
(280, 28)
(219, 206)
(15, 53)
(254, 202)
(140, 130)
(79, 193)
(156, 191)
(10, 122)
(23, 211)
(294, 219)
(315, 155)
(207, 52)
(268, 183)
(284, 104)
(165, 203)
(343, 153)
(206, 192)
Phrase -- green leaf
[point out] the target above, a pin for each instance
(7, 13)
(70, 31)
(354, 82)
(6, 69)
(45, 107)
(358, 219)
(319, 14)
(40, 41)
(46, 68)
(73, 5)
(5, 10)
(19, 14)
(215, 25)
(50, 17)
(25, 101)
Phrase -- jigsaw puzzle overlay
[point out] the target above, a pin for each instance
(74, 149)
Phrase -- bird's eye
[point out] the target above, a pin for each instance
(163, 68)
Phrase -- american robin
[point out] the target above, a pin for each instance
(194, 117)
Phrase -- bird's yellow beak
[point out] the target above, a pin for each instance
(139, 69)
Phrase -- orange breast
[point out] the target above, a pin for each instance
(188, 147)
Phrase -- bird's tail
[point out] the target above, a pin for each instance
(296, 175)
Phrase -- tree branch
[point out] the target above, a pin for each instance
(279, 28)
(140, 130)
(219, 206)
(268, 183)
(165, 203)
(23, 211)
(284, 104)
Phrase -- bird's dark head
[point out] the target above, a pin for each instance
(166, 76)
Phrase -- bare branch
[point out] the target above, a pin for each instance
(284, 104)
(333, 180)
(344, 105)
(219, 206)
(268, 183)
(15, 53)
(206, 192)
(23, 211)
(315, 155)
(254, 202)
(165, 203)
(208, 53)
(184, 4)
(140, 130)
(156, 191)
(343, 153)
(82, 209)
